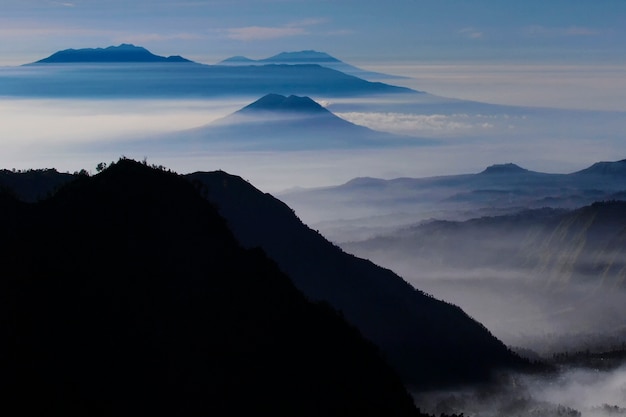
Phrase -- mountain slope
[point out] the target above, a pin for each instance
(126, 294)
(429, 342)
(277, 122)
(309, 57)
(112, 54)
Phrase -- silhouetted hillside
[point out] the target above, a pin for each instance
(429, 342)
(32, 185)
(126, 294)
(112, 54)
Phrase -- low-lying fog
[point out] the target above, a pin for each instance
(75, 134)
(568, 392)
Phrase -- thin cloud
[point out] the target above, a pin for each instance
(63, 4)
(472, 33)
(572, 31)
(307, 22)
(418, 124)
(254, 33)
(157, 37)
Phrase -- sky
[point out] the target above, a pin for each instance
(358, 31)
(567, 54)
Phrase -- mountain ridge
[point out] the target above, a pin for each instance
(426, 340)
(309, 57)
(402, 321)
(123, 53)
(279, 103)
(125, 293)
(278, 122)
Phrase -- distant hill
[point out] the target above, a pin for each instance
(139, 73)
(504, 169)
(429, 342)
(499, 189)
(554, 246)
(126, 294)
(277, 122)
(310, 57)
(545, 279)
(112, 54)
(276, 103)
(605, 169)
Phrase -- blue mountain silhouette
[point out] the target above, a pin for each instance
(277, 122)
(121, 53)
(309, 57)
(132, 71)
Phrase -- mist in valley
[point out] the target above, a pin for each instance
(534, 306)
(564, 392)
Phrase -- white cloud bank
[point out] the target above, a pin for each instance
(437, 125)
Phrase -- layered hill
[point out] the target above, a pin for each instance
(277, 122)
(132, 71)
(124, 53)
(309, 57)
(554, 247)
(499, 189)
(545, 279)
(126, 294)
(429, 342)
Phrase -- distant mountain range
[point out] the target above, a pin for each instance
(124, 53)
(132, 71)
(384, 205)
(546, 279)
(555, 247)
(430, 343)
(277, 122)
(310, 57)
(127, 294)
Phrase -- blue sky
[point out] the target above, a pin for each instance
(572, 31)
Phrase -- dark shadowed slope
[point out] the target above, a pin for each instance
(277, 122)
(111, 54)
(310, 57)
(32, 185)
(429, 342)
(126, 294)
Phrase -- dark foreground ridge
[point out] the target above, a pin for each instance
(112, 54)
(126, 294)
(430, 343)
